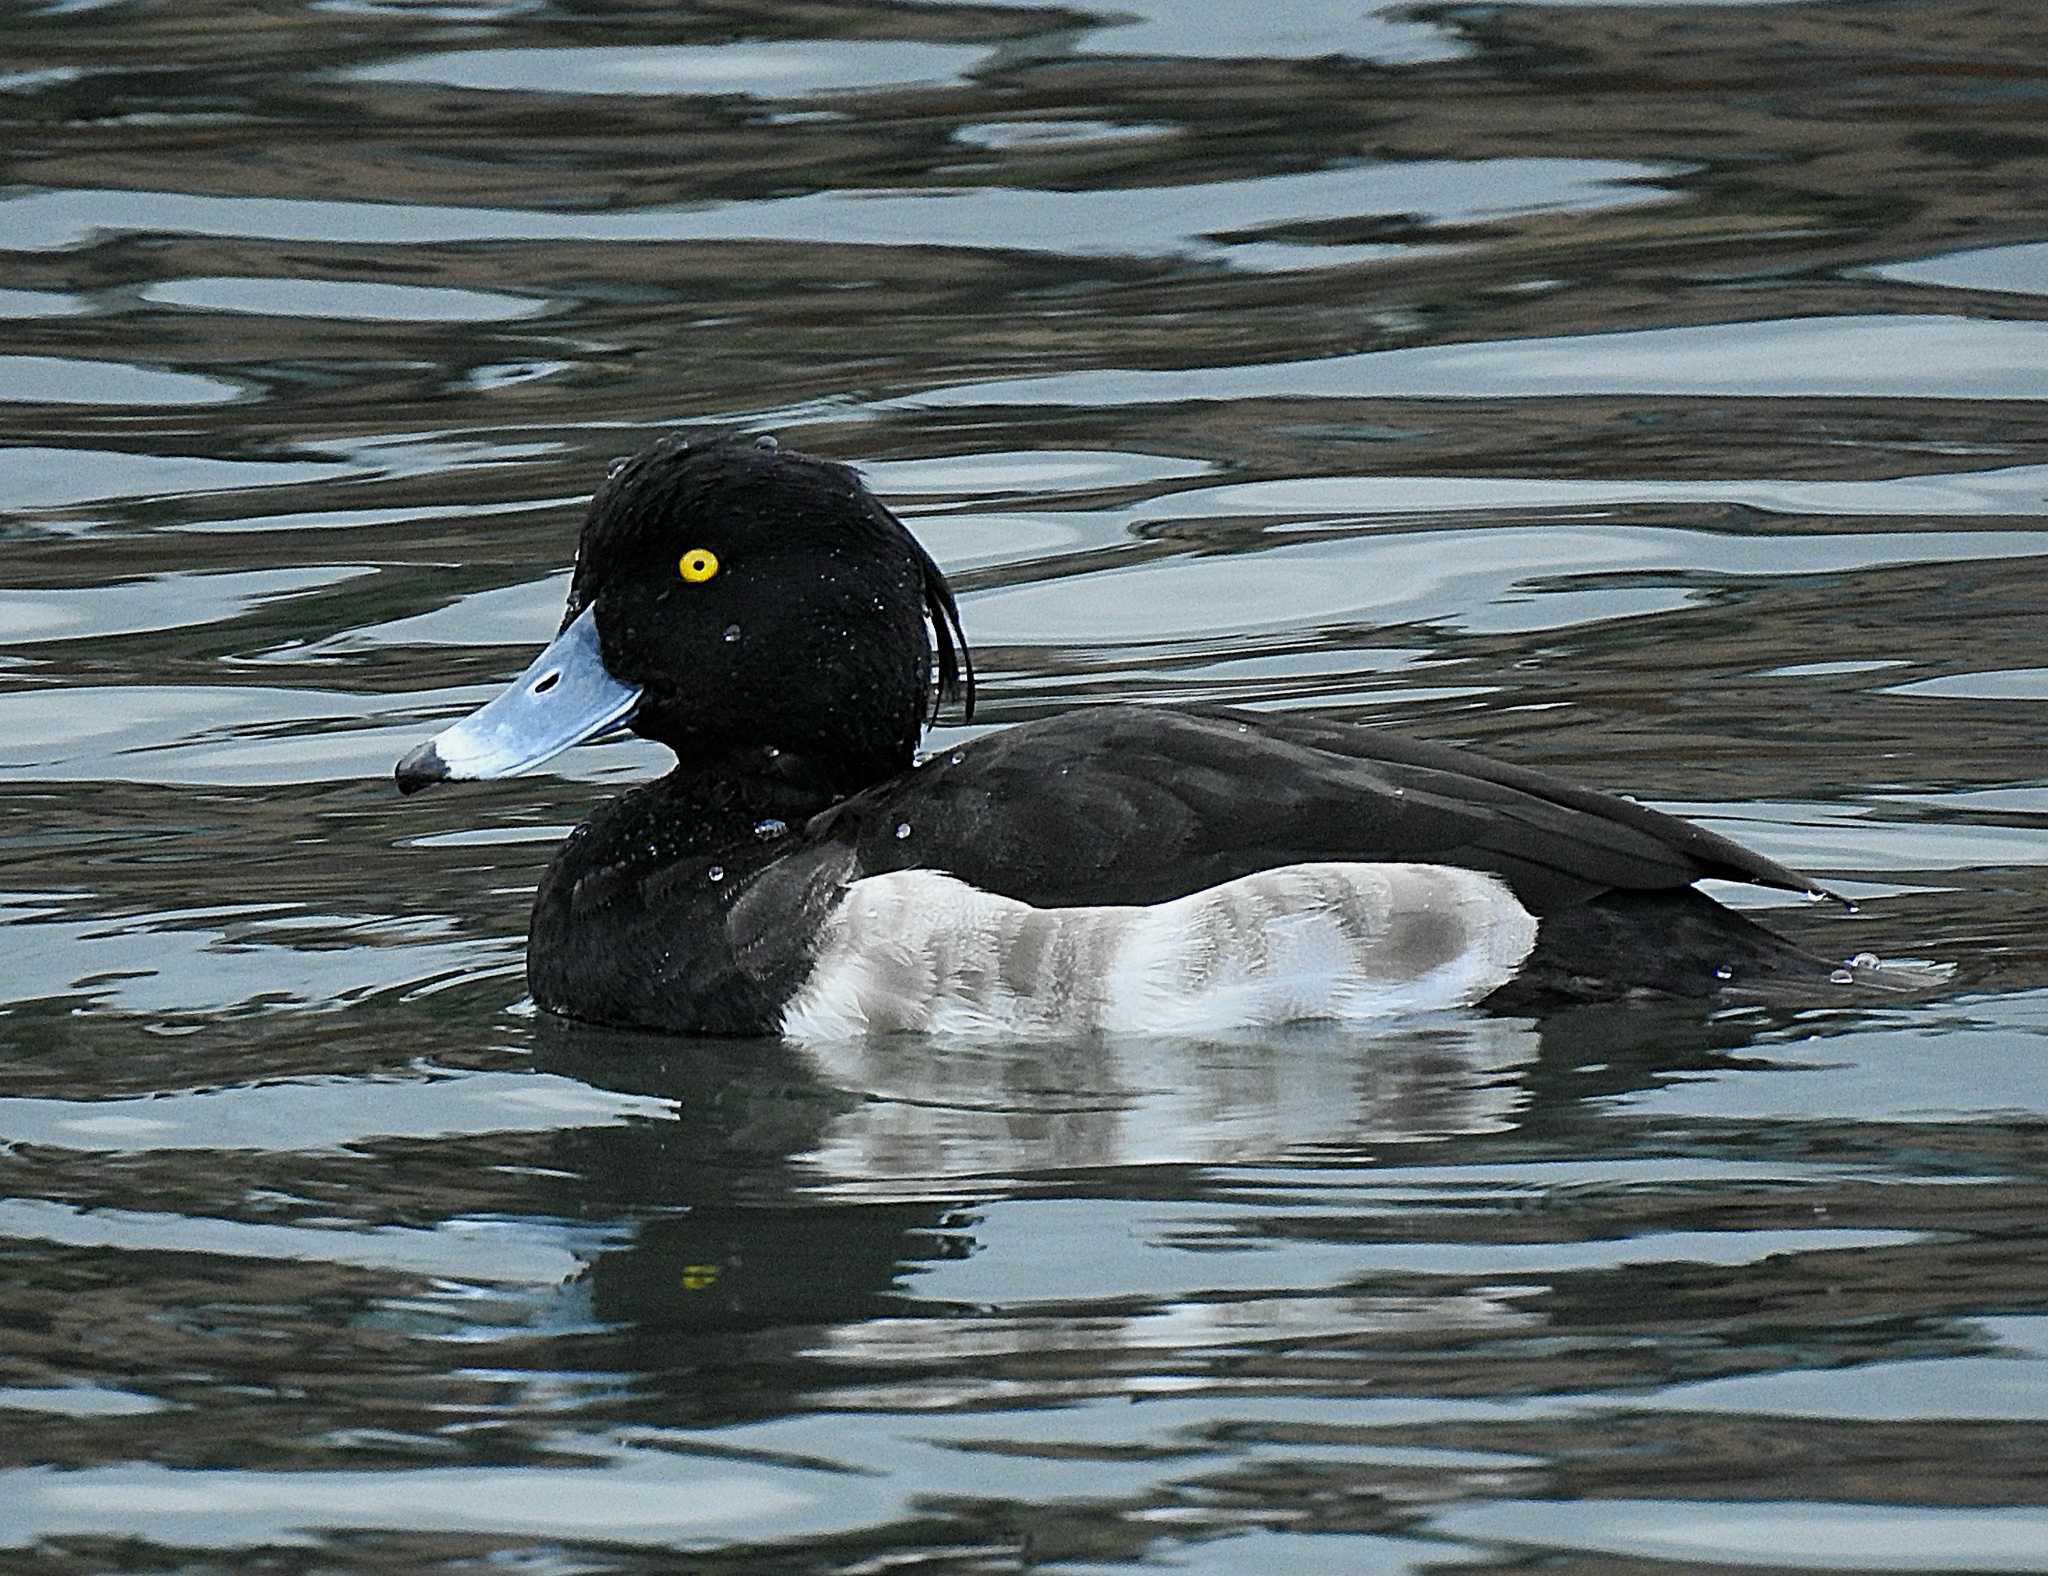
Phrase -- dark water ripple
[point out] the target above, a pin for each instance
(1657, 393)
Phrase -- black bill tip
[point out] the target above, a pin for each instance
(421, 767)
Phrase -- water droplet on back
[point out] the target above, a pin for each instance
(957, 757)
(716, 873)
(732, 633)
(768, 443)
(770, 829)
(1866, 960)
(1842, 977)
(617, 465)
(1724, 973)
(902, 830)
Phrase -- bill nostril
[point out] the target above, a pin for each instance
(547, 681)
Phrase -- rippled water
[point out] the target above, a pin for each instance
(1654, 393)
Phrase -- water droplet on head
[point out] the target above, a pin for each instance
(732, 633)
(617, 465)
(1724, 973)
(716, 873)
(768, 443)
(957, 757)
(772, 751)
(1866, 960)
(902, 830)
(770, 829)
(1842, 977)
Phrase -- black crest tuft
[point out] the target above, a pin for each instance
(951, 658)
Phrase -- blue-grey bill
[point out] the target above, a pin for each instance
(565, 697)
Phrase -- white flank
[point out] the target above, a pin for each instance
(920, 951)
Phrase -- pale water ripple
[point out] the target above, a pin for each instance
(1651, 393)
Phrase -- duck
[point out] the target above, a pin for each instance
(802, 871)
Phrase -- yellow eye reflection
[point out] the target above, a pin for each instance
(698, 565)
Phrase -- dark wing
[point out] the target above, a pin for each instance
(1130, 804)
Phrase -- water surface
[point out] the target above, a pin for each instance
(1654, 393)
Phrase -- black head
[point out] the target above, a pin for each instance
(762, 598)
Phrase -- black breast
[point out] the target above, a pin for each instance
(691, 904)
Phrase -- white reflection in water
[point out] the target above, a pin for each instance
(1085, 1250)
(2007, 1387)
(206, 961)
(1384, 31)
(1891, 1074)
(68, 380)
(1143, 221)
(1998, 684)
(2001, 491)
(305, 1117)
(1003, 471)
(1486, 579)
(1274, 30)
(2013, 270)
(35, 477)
(649, 1497)
(16, 305)
(158, 602)
(936, 1110)
(1037, 134)
(1784, 1535)
(352, 300)
(1177, 1326)
(756, 69)
(488, 1252)
(1890, 356)
(78, 1400)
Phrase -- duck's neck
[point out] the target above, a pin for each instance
(740, 801)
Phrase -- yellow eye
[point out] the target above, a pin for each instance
(698, 565)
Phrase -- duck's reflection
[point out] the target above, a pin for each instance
(1022, 1113)
(905, 1221)
(907, 1116)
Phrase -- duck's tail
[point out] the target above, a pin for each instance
(1682, 943)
